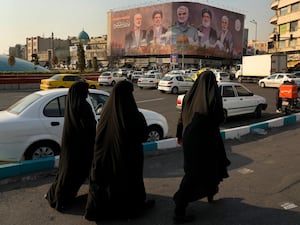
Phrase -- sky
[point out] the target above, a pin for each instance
(20, 19)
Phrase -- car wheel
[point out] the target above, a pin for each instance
(257, 112)
(262, 84)
(154, 133)
(41, 149)
(174, 90)
(113, 83)
(141, 87)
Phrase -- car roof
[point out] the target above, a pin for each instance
(65, 91)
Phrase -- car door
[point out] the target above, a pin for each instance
(230, 100)
(247, 102)
(279, 80)
(53, 116)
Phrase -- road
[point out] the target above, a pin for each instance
(166, 104)
(263, 188)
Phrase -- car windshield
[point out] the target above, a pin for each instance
(55, 77)
(22, 104)
(167, 78)
(105, 74)
(149, 76)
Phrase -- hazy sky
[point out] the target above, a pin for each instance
(29, 18)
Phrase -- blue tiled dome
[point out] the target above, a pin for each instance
(20, 65)
(83, 36)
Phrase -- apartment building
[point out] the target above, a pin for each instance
(46, 48)
(286, 35)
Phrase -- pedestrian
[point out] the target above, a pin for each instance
(116, 187)
(198, 132)
(77, 144)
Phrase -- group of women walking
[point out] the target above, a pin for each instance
(110, 153)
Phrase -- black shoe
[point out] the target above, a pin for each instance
(183, 219)
(210, 199)
(149, 204)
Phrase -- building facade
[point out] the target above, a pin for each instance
(46, 48)
(286, 36)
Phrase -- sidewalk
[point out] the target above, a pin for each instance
(263, 188)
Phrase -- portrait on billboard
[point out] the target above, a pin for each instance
(187, 28)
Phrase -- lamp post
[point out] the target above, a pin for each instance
(255, 23)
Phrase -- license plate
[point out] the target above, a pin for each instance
(285, 103)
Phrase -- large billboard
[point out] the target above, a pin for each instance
(177, 28)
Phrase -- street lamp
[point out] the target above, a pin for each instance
(255, 23)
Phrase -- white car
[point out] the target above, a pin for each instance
(135, 75)
(237, 100)
(32, 127)
(175, 84)
(276, 79)
(222, 76)
(110, 78)
(149, 80)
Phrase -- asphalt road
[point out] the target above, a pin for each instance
(263, 188)
(166, 104)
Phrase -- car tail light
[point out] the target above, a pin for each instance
(170, 82)
(109, 78)
(178, 101)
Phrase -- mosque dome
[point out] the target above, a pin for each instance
(19, 65)
(83, 36)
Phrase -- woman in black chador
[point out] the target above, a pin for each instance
(116, 183)
(198, 132)
(77, 144)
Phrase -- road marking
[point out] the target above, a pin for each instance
(288, 205)
(150, 100)
(245, 171)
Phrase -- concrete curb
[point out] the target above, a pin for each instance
(31, 166)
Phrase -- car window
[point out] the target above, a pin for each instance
(279, 76)
(273, 76)
(228, 91)
(98, 100)
(167, 78)
(241, 91)
(56, 107)
(179, 78)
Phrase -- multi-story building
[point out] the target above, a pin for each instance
(46, 48)
(286, 36)
(94, 48)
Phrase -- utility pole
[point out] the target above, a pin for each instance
(255, 23)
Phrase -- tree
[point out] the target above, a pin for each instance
(11, 60)
(95, 64)
(81, 58)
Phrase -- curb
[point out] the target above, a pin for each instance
(31, 166)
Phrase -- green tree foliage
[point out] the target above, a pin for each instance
(81, 58)
(11, 60)
(95, 64)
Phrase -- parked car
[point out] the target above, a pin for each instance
(237, 100)
(149, 80)
(276, 79)
(174, 84)
(193, 76)
(110, 78)
(222, 76)
(32, 127)
(65, 81)
(135, 75)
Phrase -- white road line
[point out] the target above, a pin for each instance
(150, 100)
